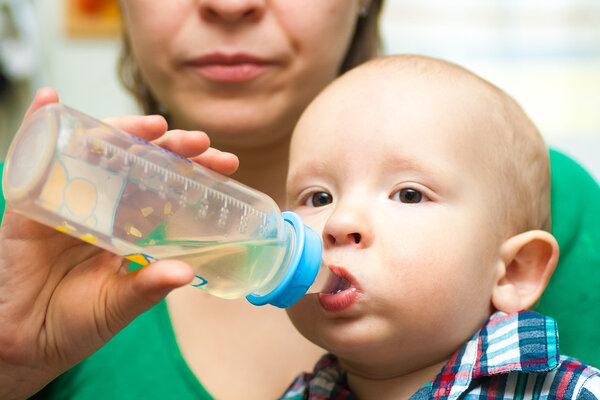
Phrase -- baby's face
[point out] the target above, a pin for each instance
(392, 179)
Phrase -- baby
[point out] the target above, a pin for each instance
(431, 188)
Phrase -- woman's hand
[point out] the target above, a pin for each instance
(61, 299)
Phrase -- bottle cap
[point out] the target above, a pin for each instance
(30, 154)
(303, 268)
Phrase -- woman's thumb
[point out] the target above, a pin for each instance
(140, 290)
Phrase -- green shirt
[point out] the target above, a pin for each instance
(144, 361)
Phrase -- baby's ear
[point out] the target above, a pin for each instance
(528, 261)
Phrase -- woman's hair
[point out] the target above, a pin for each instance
(366, 44)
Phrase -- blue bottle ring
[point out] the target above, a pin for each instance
(303, 268)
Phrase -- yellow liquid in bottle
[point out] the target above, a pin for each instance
(227, 270)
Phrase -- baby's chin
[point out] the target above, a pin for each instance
(367, 351)
(372, 367)
(348, 343)
(393, 365)
(353, 337)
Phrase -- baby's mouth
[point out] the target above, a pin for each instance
(336, 283)
(341, 293)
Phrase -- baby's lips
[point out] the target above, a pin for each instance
(339, 280)
(342, 292)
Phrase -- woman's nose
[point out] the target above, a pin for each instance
(232, 11)
(347, 227)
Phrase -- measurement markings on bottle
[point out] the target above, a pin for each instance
(186, 185)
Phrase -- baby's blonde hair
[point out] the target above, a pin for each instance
(518, 158)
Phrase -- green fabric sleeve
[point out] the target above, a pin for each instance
(142, 362)
(2, 201)
(573, 294)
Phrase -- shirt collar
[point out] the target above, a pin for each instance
(524, 341)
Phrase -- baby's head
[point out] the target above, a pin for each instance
(430, 187)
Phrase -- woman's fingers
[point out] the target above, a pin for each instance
(185, 143)
(220, 161)
(154, 128)
(189, 144)
(147, 127)
(43, 96)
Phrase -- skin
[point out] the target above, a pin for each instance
(296, 64)
(44, 331)
(420, 267)
(253, 118)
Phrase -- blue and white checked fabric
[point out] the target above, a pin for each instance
(513, 356)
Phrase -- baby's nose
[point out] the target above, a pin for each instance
(346, 228)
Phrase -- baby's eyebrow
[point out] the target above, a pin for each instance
(399, 162)
(294, 179)
(304, 170)
(434, 174)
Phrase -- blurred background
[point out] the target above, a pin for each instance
(545, 53)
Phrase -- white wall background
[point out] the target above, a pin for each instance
(546, 53)
(84, 71)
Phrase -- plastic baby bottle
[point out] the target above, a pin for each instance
(95, 182)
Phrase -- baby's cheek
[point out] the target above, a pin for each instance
(303, 316)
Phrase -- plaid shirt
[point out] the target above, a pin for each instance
(513, 356)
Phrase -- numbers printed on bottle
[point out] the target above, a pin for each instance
(223, 214)
(243, 227)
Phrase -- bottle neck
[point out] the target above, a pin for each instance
(287, 245)
(303, 247)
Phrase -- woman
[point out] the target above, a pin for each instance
(243, 71)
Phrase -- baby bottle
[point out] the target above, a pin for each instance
(109, 188)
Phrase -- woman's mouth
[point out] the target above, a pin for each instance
(229, 68)
(341, 291)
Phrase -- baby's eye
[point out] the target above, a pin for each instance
(318, 199)
(409, 195)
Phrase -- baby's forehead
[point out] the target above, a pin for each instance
(376, 96)
(382, 114)
(377, 111)
(376, 83)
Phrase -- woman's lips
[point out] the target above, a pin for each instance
(341, 292)
(229, 68)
